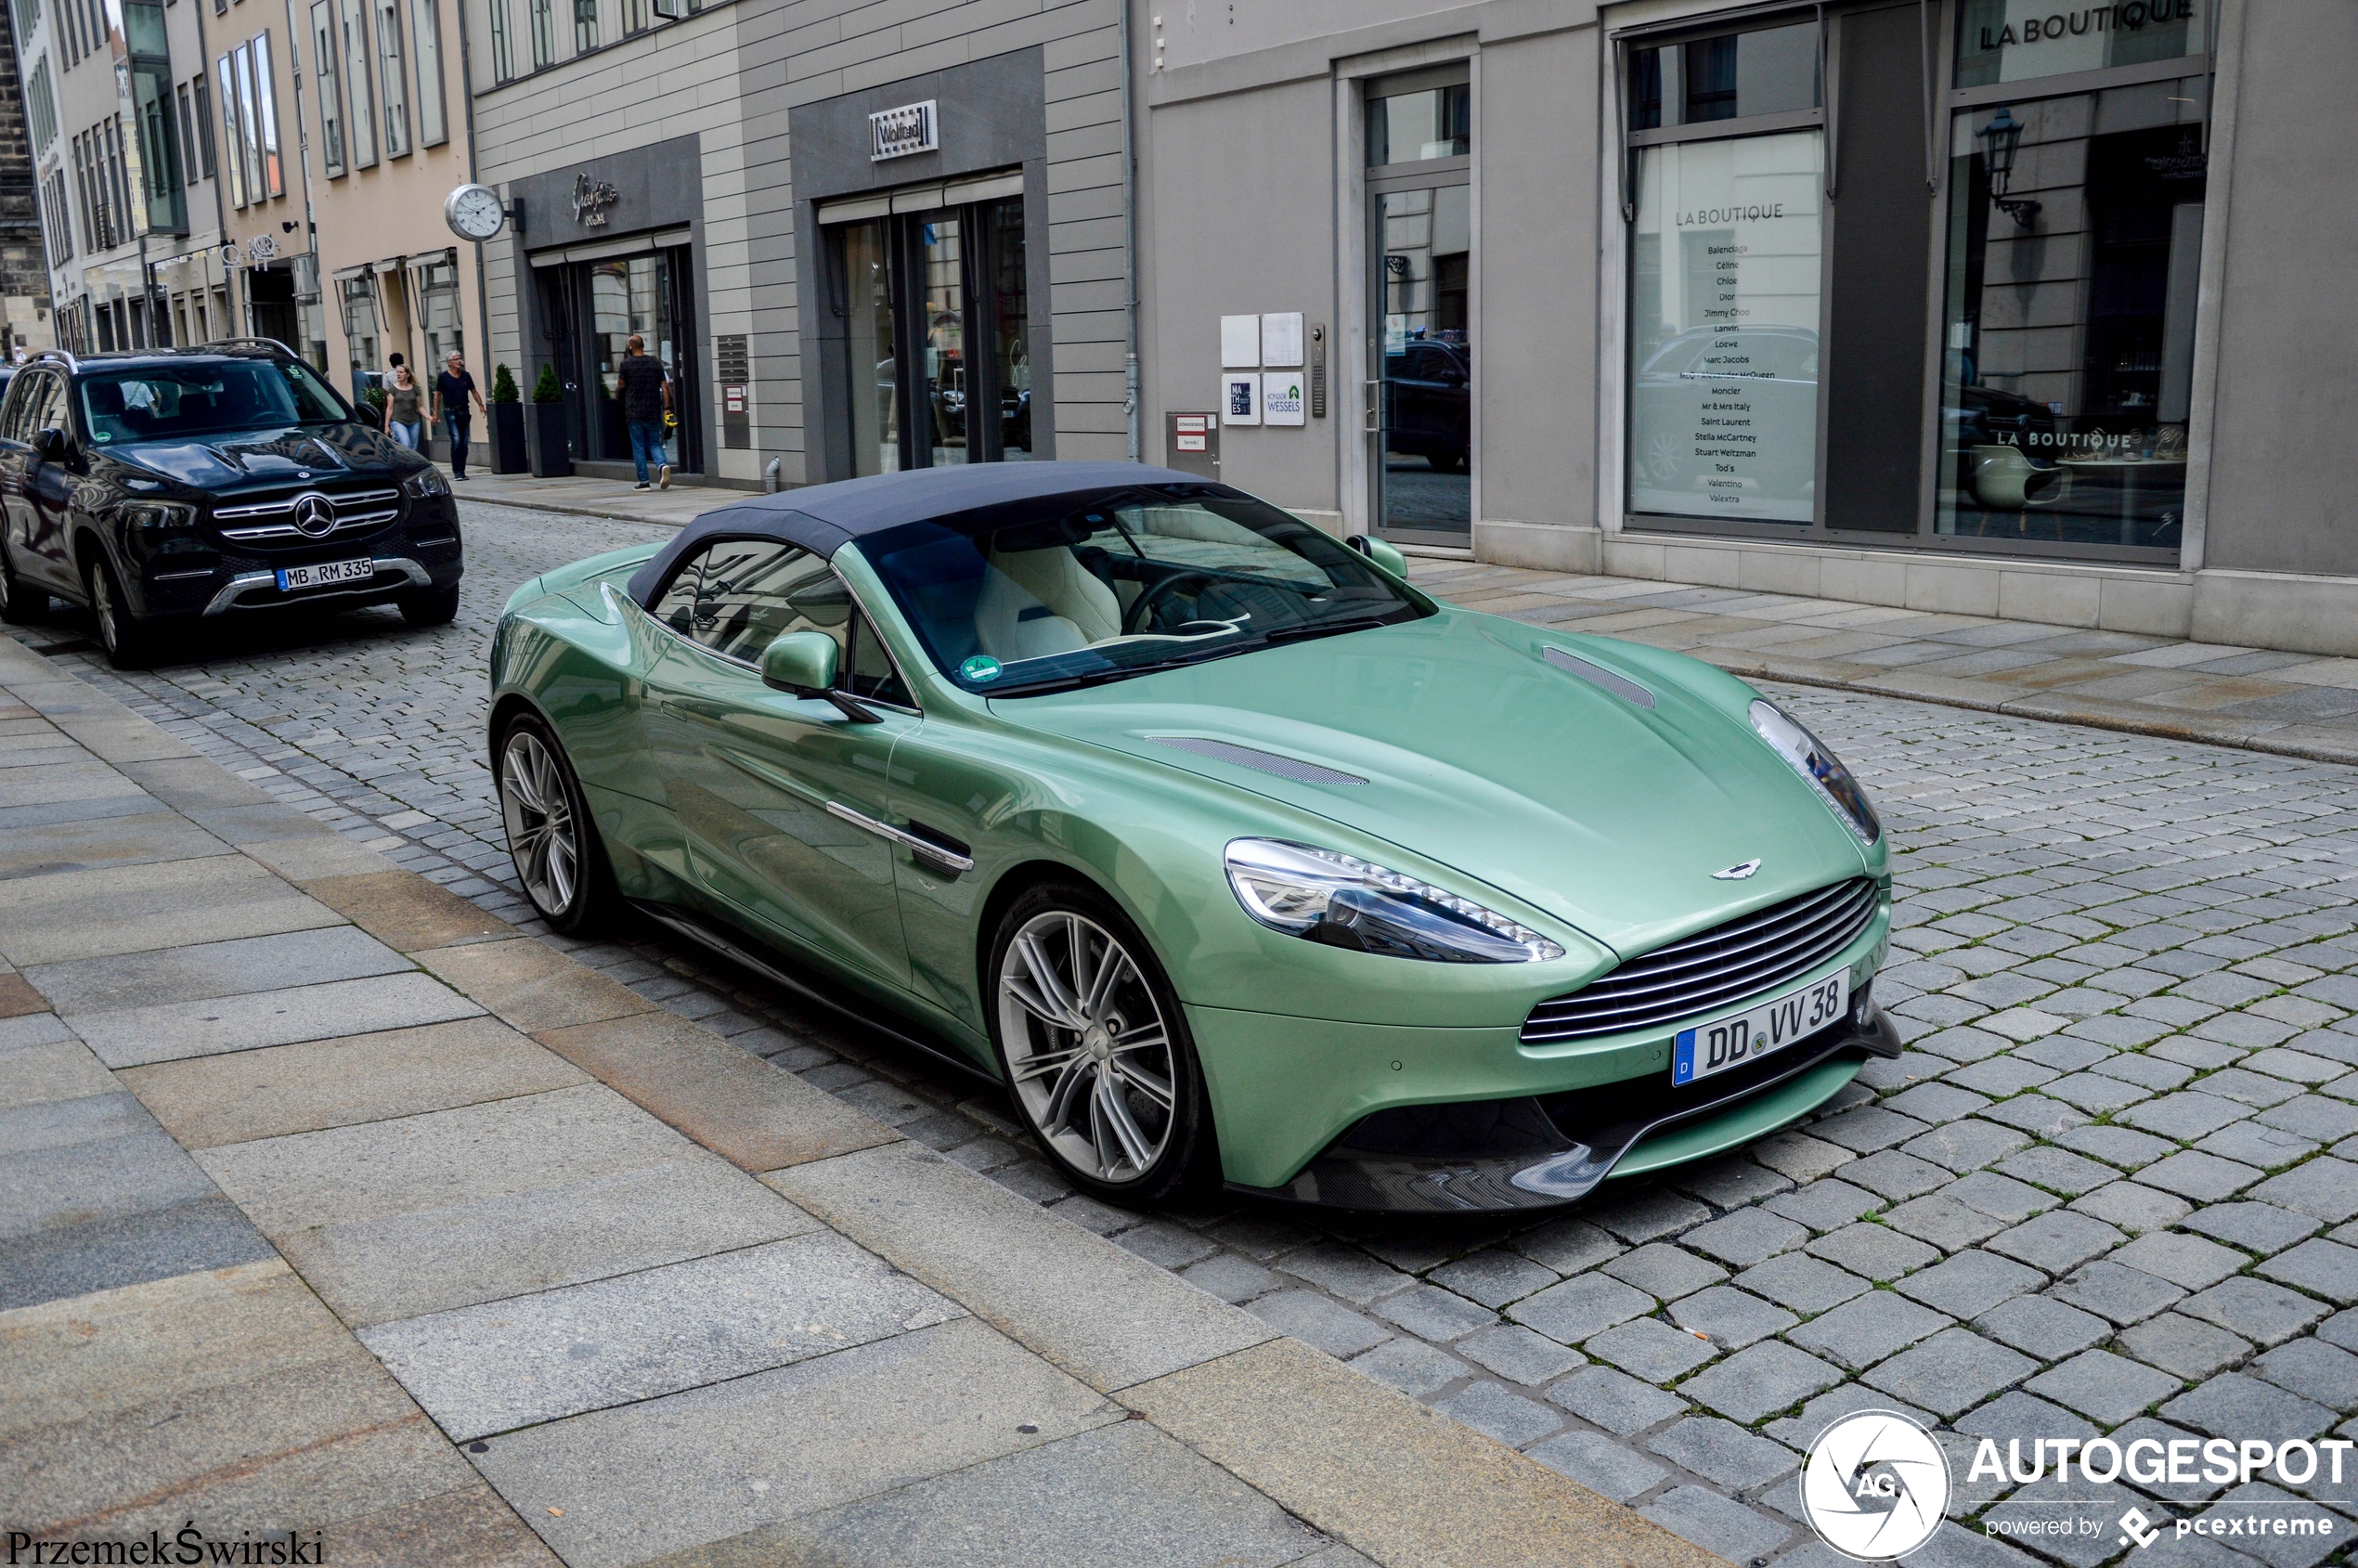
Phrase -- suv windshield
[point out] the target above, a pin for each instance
(1074, 589)
(179, 402)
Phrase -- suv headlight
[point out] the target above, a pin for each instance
(1347, 903)
(1814, 760)
(158, 517)
(427, 482)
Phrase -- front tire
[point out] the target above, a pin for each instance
(1096, 1051)
(128, 640)
(551, 837)
(430, 606)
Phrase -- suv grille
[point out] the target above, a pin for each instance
(1711, 969)
(285, 520)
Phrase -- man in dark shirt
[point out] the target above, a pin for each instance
(451, 391)
(646, 390)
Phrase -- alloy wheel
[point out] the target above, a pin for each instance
(102, 606)
(1088, 1052)
(538, 812)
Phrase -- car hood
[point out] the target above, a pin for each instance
(1480, 755)
(251, 457)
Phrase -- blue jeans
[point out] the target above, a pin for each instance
(410, 435)
(455, 426)
(647, 447)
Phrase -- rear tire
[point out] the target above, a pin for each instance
(129, 641)
(551, 837)
(430, 606)
(1094, 1050)
(21, 603)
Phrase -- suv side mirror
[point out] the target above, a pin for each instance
(50, 444)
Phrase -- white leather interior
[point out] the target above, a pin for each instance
(1035, 602)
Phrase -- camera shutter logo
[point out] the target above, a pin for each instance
(314, 515)
(1876, 1485)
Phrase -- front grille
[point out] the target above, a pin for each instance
(1711, 969)
(273, 522)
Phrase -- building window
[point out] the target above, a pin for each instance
(159, 146)
(188, 132)
(28, 16)
(503, 42)
(232, 164)
(57, 227)
(1420, 124)
(425, 25)
(360, 337)
(634, 17)
(266, 88)
(1725, 278)
(201, 99)
(360, 108)
(585, 26)
(323, 56)
(393, 81)
(544, 34)
(250, 127)
(42, 105)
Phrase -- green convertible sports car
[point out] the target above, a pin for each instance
(1232, 855)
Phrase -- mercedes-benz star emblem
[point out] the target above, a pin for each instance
(1736, 873)
(314, 515)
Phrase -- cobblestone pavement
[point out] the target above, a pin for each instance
(2108, 1188)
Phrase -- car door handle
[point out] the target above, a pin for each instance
(941, 854)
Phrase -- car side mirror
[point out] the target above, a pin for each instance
(1381, 553)
(805, 663)
(800, 662)
(50, 444)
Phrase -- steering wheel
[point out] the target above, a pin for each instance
(1143, 611)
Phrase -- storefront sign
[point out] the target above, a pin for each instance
(1281, 397)
(2019, 40)
(1240, 397)
(2056, 26)
(897, 133)
(592, 200)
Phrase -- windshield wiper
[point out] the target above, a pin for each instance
(1324, 629)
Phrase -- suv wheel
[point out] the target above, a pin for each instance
(129, 642)
(21, 603)
(430, 606)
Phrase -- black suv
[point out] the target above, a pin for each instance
(165, 485)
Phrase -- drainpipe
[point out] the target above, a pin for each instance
(1129, 238)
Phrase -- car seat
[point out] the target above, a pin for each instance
(1035, 602)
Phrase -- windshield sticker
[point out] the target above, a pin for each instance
(979, 668)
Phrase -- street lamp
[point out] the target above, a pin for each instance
(2001, 138)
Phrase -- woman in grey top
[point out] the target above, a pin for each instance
(404, 413)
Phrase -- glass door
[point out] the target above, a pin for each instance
(1421, 342)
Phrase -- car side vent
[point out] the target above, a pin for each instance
(1263, 761)
(1597, 675)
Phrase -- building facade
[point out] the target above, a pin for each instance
(862, 236)
(24, 273)
(1979, 305)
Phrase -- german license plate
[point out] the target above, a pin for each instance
(1772, 1026)
(324, 572)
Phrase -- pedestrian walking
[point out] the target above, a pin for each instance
(451, 391)
(405, 411)
(645, 388)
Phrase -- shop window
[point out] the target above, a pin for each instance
(1733, 76)
(591, 310)
(2075, 237)
(1416, 123)
(360, 333)
(2010, 40)
(425, 27)
(324, 53)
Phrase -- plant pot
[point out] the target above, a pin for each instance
(549, 459)
(508, 454)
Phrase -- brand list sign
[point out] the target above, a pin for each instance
(897, 133)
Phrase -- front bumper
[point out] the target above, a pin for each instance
(1537, 1151)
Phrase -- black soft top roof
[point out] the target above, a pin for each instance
(822, 518)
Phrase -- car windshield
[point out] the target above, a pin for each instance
(1073, 591)
(181, 402)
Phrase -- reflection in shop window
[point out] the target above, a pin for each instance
(1723, 329)
(1413, 126)
(2015, 40)
(1010, 328)
(360, 333)
(2074, 247)
(1738, 75)
(867, 279)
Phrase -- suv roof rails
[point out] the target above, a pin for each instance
(70, 362)
(248, 343)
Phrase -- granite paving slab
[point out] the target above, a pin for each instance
(174, 1030)
(141, 908)
(206, 970)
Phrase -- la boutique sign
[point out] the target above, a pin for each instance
(2098, 19)
(896, 133)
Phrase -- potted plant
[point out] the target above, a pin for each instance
(549, 459)
(508, 453)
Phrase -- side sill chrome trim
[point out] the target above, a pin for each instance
(246, 582)
(923, 848)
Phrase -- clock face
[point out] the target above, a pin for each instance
(476, 212)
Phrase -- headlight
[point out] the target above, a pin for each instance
(427, 482)
(1814, 760)
(1346, 902)
(158, 517)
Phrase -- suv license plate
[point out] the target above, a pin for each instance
(292, 578)
(1772, 1026)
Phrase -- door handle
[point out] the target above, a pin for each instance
(1374, 410)
(941, 854)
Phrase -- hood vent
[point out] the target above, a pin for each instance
(1597, 675)
(1263, 761)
